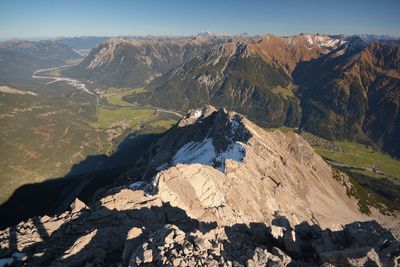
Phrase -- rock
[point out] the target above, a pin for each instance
(178, 227)
(356, 257)
(275, 264)
(77, 206)
(285, 259)
(79, 244)
(132, 242)
(303, 230)
(292, 247)
(169, 239)
(148, 256)
(179, 237)
(368, 233)
(277, 232)
(176, 262)
(202, 244)
(281, 221)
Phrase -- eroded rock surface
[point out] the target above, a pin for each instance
(277, 204)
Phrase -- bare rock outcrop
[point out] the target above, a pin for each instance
(216, 190)
(130, 228)
(219, 166)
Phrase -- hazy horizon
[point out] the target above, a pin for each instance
(49, 19)
(42, 38)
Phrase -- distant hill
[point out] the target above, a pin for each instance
(19, 58)
(84, 42)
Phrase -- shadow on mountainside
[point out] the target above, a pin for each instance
(213, 133)
(83, 180)
(53, 196)
(142, 236)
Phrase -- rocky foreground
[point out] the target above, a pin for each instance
(130, 228)
(216, 190)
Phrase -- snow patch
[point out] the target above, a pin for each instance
(198, 113)
(162, 167)
(193, 152)
(235, 152)
(339, 53)
(148, 188)
(309, 40)
(205, 153)
(332, 43)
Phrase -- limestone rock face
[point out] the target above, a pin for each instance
(219, 166)
(77, 206)
(232, 195)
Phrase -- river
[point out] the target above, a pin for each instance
(82, 86)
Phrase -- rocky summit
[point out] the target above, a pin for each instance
(215, 190)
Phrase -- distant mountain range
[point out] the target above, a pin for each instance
(19, 58)
(354, 91)
(332, 86)
(85, 42)
(121, 62)
(216, 190)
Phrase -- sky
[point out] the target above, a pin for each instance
(55, 18)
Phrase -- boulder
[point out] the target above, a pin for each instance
(133, 240)
(202, 244)
(77, 206)
(285, 259)
(291, 245)
(354, 257)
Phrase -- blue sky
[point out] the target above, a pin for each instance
(28, 19)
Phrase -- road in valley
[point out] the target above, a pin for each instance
(70, 193)
(82, 86)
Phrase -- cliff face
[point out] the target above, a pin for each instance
(134, 63)
(129, 228)
(238, 172)
(251, 76)
(353, 92)
(334, 88)
(215, 189)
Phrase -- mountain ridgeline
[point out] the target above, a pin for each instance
(332, 86)
(356, 93)
(123, 63)
(19, 58)
(216, 190)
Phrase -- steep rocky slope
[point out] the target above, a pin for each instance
(361, 94)
(333, 86)
(249, 75)
(128, 228)
(126, 62)
(215, 190)
(249, 174)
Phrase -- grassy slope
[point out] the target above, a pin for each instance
(152, 122)
(106, 117)
(167, 123)
(358, 155)
(42, 137)
(370, 188)
(116, 95)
